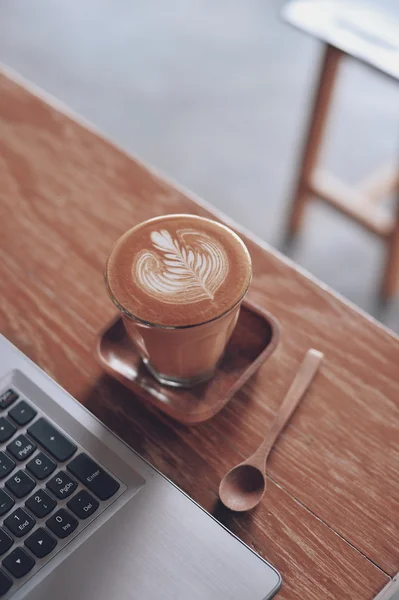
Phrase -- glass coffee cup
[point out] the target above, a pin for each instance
(179, 281)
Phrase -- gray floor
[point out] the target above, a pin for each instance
(216, 94)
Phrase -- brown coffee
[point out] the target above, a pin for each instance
(178, 281)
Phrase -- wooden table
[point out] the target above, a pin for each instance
(330, 518)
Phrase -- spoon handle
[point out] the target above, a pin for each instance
(299, 386)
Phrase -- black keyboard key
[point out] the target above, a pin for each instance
(7, 429)
(6, 465)
(52, 440)
(20, 484)
(19, 522)
(19, 563)
(40, 543)
(5, 583)
(93, 476)
(62, 523)
(21, 448)
(22, 413)
(41, 466)
(41, 504)
(7, 398)
(83, 504)
(6, 502)
(6, 541)
(62, 485)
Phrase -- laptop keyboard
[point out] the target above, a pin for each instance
(50, 489)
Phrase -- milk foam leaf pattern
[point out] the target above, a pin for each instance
(181, 270)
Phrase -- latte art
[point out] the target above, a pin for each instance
(178, 271)
(184, 269)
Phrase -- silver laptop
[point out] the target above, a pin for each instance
(83, 517)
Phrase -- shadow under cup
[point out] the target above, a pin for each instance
(186, 356)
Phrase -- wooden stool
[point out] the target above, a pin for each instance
(370, 35)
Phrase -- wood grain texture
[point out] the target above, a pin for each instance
(243, 487)
(65, 196)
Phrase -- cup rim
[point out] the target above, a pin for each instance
(133, 317)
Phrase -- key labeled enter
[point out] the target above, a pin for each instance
(93, 476)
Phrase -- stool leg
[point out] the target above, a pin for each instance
(391, 274)
(319, 112)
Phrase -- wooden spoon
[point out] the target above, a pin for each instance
(243, 487)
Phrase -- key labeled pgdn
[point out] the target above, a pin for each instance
(62, 485)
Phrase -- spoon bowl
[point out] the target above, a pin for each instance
(243, 487)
